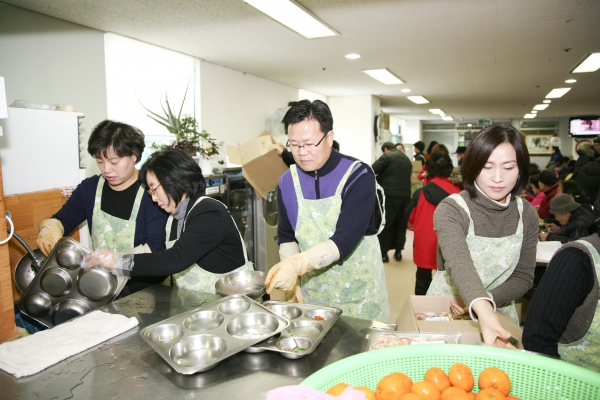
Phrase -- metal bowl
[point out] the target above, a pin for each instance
(289, 312)
(249, 283)
(69, 256)
(68, 309)
(252, 326)
(37, 305)
(294, 347)
(56, 281)
(96, 283)
(166, 333)
(234, 306)
(305, 328)
(203, 321)
(24, 271)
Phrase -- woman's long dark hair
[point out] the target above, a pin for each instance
(177, 173)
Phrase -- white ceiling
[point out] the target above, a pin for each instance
(471, 58)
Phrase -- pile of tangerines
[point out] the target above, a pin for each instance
(494, 384)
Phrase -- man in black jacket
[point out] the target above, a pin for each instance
(393, 171)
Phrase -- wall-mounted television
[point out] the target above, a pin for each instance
(584, 127)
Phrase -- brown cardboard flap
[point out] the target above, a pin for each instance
(263, 172)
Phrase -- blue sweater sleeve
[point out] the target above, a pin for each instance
(150, 225)
(80, 206)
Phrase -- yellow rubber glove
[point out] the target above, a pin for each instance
(51, 230)
(284, 274)
(295, 295)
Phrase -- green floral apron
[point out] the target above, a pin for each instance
(196, 278)
(495, 259)
(111, 232)
(586, 351)
(357, 284)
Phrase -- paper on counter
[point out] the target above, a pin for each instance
(545, 250)
(32, 354)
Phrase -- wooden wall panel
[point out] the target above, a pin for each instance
(8, 328)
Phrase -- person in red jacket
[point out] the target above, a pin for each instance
(549, 185)
(423, 176)
(421, 208)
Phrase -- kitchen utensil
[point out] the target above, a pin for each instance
(28, 265)
(197, 340)
(62, 290)
(249, 283)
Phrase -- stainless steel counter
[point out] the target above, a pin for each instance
(126, 367)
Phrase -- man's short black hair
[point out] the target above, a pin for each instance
(420, 145)
(304, 110)
(439, 164)
(126, 140)
(177, 173)
(388, 145)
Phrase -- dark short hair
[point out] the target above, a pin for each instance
(420, 145)
(439, 164)
(400, 144)
(177, 173)
(481, 147)
(126, 140)
(535, 181)
(571, 187)
(555, 148)
(304, 110)
(336, 145)
(388, 145)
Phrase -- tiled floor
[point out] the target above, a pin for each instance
(400, 277)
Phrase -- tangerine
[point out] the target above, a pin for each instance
(369, 394)
(337, 389)
(392, 386)
(425, 390)
(438, 377)
(461, 376)
(489, 393)
(454, 393)
(495, 378)
(471, 395)
(410, 396)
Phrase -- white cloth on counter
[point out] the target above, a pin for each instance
(545, 250)
(34, 353)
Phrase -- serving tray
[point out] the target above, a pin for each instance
(197, 340)
(308, 326)
(62, 290)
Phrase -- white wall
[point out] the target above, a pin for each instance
(235, 105)
(353, 121)
(47, 60)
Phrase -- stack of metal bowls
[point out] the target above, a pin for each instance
(249, 283)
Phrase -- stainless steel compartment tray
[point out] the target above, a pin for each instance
(62, 290)
(306, 328)
(197, 340)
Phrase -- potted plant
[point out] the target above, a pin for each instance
(187, 137)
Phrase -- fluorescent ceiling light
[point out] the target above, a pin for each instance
(436, 111)
(295, 17)
(571, 81)
(384, 76)
(540, 106)
(529, 116)
(447, 118)
(534, 112)
(556, 93)
(547, 101)
(418, 99)
(405, 90)
(590, 64)
(352, 56)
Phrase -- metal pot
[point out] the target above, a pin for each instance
(28, 266)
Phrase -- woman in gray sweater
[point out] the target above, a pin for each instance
(487, 235)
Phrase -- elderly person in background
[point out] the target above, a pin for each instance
(574, 220)
(549, 185)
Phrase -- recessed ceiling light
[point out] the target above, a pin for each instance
(295, 17)
(571, 81)
(418, 99)
(547, 101)
(534, 112)
(405, 90)
(590, 64)
(556, 93)
(384, 76)
(528, 116)
(436, 111)
(540, 106)
(352, 56)
(447, 118)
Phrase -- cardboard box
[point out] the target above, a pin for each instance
(470, 329)
(416, 168)
(261, 167)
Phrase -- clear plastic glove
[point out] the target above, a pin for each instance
(283, 275)
(120, 264)
(51, 230)
(493, 333)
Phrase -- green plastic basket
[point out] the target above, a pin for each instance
(533, 376)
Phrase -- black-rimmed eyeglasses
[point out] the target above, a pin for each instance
(307, 146)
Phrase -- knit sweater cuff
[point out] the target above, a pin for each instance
(288, 249)
(322, 254)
